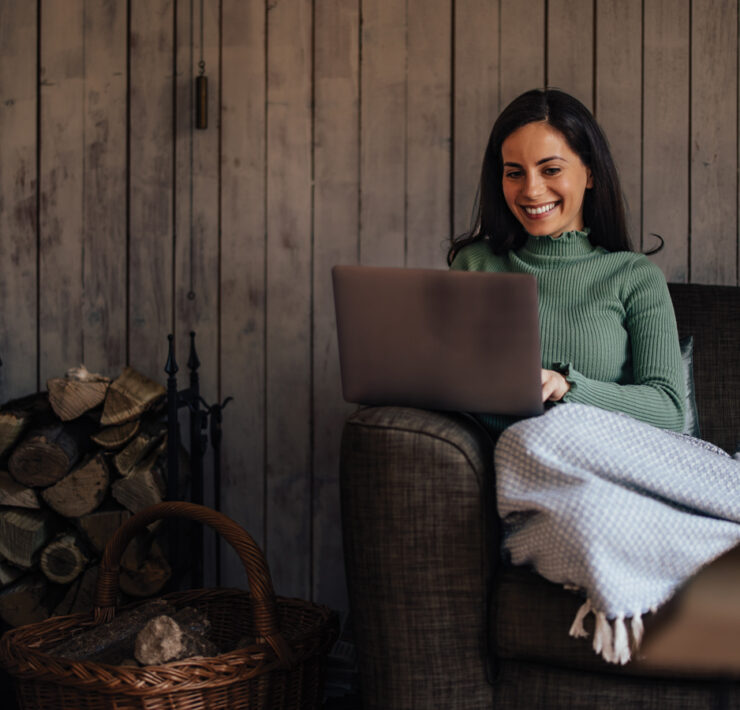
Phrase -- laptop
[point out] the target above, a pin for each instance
(437, 339)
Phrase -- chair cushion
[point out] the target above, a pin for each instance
(531, 618)
(712, 315)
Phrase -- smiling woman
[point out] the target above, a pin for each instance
(544, 180)
(551, 206)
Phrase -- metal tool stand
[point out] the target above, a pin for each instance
(200, 412)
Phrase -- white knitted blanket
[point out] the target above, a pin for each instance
(620, 509)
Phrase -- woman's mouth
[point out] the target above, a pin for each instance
(540, 211)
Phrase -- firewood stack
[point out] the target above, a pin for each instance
(75, 463)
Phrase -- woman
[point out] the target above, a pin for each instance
(598, 493)
(551, 205)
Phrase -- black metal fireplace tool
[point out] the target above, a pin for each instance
(200, 413)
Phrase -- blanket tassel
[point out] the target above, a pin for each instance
(611, 639)
(576, 629)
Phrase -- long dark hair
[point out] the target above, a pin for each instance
(603, 204)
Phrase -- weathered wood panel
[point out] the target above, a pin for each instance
(243, 99)
(570, 48)
(61, 177)
(618, 105)
(428, 175)
(18, 182)
(665, 189)
(104, 187)
(197, 247)
(336, 241)
(288, 346)
(151, 184)
(383, 133)
(522, 48)
(714, 149)
(476, 105)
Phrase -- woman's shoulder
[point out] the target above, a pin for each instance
(477, 256)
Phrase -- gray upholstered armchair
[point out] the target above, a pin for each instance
(439, 621)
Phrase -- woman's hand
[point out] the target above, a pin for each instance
(554, 386)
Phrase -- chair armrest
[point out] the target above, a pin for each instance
(419, 525)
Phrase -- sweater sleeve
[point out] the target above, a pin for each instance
(657, 395)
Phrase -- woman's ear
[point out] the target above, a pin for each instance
(590, 180)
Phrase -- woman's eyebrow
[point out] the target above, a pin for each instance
(539, 162)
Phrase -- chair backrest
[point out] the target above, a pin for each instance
(712, 315)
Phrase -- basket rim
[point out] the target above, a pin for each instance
(198, 672)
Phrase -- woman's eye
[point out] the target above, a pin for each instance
(552, 171)
(514, 174)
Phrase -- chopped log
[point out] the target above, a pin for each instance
(129, 395)
(8, 574)
(80, 596)
(81, 491)
(22, 602)
(23, 533)
(18, 414)
(98, 527)
(136, 450)
(136, 552)
(46, 455)
(165, 639)
(114, 641)
(12, 425)
(142, 487)
(76, 393)
(63, 559)
(150, 578)
(15, 494)
(114, 436)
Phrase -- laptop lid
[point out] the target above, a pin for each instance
(437, 339)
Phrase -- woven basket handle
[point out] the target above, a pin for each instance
(255, 565)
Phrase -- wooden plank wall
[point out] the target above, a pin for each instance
(340, 131)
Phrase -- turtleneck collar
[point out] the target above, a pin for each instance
(574, 243)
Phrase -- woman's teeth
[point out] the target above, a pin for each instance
(540, 210)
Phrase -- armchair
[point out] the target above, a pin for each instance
(439, 620)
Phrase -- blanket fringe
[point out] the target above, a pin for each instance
(611, 639)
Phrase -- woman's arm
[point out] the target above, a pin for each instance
(658, 393)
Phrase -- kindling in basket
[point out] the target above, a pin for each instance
(282, 669)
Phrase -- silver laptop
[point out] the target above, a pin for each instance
(437, 339)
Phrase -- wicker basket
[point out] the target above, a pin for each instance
(283, 669)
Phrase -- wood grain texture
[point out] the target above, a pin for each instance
(62, 184)
(714, 149)
(104, 187)
(428, 154)
(476, 106)
(570, 48)
(383, 133)
(243, 253)
(151, 185)
(197, 218)
(618, 105)
(522, 48)
(288, 345)
(665, 188)
(18, 182)
(336, 241)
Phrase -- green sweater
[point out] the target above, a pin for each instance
(606, 322)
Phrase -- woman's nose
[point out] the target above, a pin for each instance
(533, 185)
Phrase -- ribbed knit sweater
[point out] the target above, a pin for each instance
(606, 322)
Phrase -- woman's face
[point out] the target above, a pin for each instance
(544, 181)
